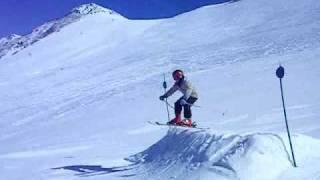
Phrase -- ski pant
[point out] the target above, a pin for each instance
(186, 107)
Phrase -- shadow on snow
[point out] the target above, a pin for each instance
(94, 170)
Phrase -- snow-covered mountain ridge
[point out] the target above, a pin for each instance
(9, 38)
(91, 8)
(14, 44)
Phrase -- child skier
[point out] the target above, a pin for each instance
(186, 101)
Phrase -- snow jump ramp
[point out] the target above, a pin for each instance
(200, 155)
(189, 154)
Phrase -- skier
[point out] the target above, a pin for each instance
(189, 97)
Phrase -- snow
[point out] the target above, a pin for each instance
(91, 8)
(75, 104)
(14, 43)
(234, 156)
(9, 38)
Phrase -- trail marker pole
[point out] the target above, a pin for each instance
(280, 75)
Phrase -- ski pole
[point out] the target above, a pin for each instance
(169, 104)
(165, 90)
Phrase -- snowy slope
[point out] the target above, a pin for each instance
(77, 101)
(15, 43)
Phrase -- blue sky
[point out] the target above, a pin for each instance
(21, 16)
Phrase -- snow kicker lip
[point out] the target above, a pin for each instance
(194, 154)
(185, 154)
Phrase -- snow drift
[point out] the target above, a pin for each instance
(189, 154)
(198, 154)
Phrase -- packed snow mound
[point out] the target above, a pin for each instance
(194, 154)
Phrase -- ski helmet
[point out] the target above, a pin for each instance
(177, 74)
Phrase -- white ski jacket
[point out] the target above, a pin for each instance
(185, 87)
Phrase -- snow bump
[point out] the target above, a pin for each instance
(193, 154)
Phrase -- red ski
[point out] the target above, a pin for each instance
(194, 126)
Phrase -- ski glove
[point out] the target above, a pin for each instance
(183, 102)
(162, 97)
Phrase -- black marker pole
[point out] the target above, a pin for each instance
(280, 75)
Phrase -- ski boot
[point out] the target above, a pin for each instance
(175, 121)
(186, 122)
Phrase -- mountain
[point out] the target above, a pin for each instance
(9, 38)
(90, 8)
(14, 44)
(75, 104)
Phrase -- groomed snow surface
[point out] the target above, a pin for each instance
(75, 104)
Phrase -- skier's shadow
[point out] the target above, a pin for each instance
(94, 170)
